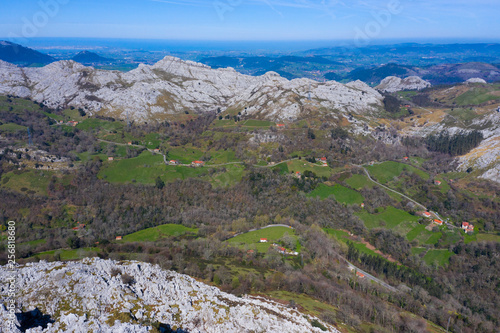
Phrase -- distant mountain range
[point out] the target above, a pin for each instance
(23, 56)
(20, 55)
(437, 64)
(437, 74)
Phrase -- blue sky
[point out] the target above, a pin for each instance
(252, 19)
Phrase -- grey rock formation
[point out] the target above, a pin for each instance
(172, 86)
(475, 80)
(86, 296)
(393, 84)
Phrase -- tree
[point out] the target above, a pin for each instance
(392, 104)
(310, 134)
(73, 242)
(160, 184)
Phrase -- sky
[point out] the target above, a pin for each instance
(359, 21)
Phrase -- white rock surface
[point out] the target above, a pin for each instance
(84, 297)
(475, 80)
(172, 86)
(393, 84)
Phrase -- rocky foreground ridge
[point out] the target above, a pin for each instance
(87, 296)
(172, 86)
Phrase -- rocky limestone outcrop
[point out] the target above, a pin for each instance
(173, 86)
(393, 84)
(87, 296)
(475, 80)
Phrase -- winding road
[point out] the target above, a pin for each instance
(390, 189)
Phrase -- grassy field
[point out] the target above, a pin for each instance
(223, 123)
(283, 167)
(343, 236)
(94, 123)
(412, 234)
(444, 187)
(389, 218)
(302, 165)
(185, 154)
(386, 171)
(222, 157)
(35, 242)
(231, 176)
(358, 182)
(487, 238)
(465, 115)
(434, 238)
(252, 238)
(143, 169)
(439, 257)
(338, 234)
(70, 254)
(476, 95)
(418, 250)
(146, 167)
(12, 128)
(310, 305)
(155, 233)
(32, 180)
(258, 123)
(342, 194)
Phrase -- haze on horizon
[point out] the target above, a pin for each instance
(228, 20)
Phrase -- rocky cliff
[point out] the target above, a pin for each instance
(173, 86)
(92, 296)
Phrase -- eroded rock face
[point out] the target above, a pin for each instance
(172, 86)
(85, 296)
(393, 84)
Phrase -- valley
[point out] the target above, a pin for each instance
(352, 187)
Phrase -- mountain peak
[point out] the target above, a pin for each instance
(87, 57)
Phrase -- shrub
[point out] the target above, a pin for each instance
(115, 272)
(316, 323)
(127, 279)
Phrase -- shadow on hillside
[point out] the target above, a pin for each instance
(32, 319)
(165, 328)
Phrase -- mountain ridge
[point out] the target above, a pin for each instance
(172, 86)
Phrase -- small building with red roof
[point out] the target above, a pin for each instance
(118, 237)
(280, 125)
(438, 221)
(426, 214)
(263, 240)
(467, 227)
(437, 182)
(359, 274)
(173, 162)
(197, 163)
